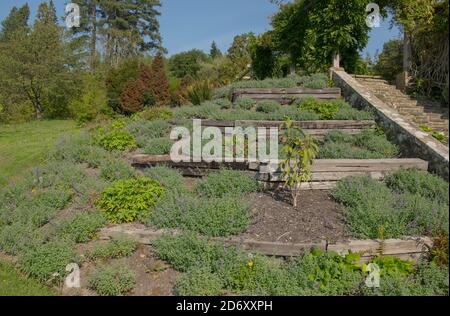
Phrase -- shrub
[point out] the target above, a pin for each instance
(224, 104)
(143, 130)
(366, 145)
(19, 237)
(128, 200)
(314, 81)
(206, 110)
(47, 262)
(171, 179)
(268, 106)
(185, 251)
(117, 140)
(116, 169)
(419, 182)
(158, 146)
(259, 275)
(327, 273)
(199, 282)
(222, 217)
(154, 114)
(199, 92)
(213, 217)
(426, 217)
(112, 280)
(81, 228)
(371, 206)
(92, 101)
(118, 247)
(245, 103)
(374, 142)
(226, 182)
(326, 109)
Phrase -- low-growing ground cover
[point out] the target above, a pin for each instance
(315, 81)
(247, 109)
(369, 144)
(408, 203)
(213, 269)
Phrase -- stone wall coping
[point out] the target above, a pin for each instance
(385, 110)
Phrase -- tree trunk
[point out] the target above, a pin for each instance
(336, 60)
(93, 44)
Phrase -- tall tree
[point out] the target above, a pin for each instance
(129, 27)
(122, 28)
(312, 31)
(35, 64)
(187, 63)
(16, 20)
(215, 51)
(89, 11)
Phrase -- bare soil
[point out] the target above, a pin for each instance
(153, 277)
(316, 218)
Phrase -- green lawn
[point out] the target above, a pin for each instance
(14, 284)
(22, 146)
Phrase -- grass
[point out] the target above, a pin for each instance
(24, 145)
(14, 284)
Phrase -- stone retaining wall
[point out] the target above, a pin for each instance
(413, 142)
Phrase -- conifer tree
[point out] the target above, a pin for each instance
(132, 97)
(215, 51)
(17, 20)
(158, 81)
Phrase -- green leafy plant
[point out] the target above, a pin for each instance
(112, 280)
(47, 262)
(369, 144)
(199, 282)
(115, 169)
(268, 106)
(154, 114)
(421, 182)
(245, 103)
(226, 182)
(117, 140)
(327, 109)
(81, 228)
(299, 150)
(158, 146)
(128, 200)
(437, 135)
(118, 247)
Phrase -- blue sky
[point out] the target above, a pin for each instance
(187, 24)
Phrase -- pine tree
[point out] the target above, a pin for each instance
(89, 23)
(129, 27)
(215, 51)
(123, 28)
(16, 20)
(158, 81)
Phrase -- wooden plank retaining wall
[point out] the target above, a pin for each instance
(407, 248)
(286, 95)
(325, 172)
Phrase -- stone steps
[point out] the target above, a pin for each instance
(420, 112)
